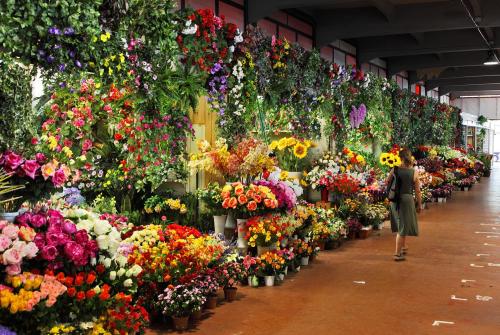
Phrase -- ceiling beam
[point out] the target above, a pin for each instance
(470, 88)
(437, 16)
(420, 43)
(384, 7)
(258, 9)
(458, 59)
(461, 72)
(434, 83)
(457, 94)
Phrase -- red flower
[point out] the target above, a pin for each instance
(80, 295)
(71, 292)
(90, 294)
(118, 137)
(90, 278)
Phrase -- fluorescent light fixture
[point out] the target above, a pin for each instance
(492, 59)
(479, 96)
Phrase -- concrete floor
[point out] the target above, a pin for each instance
(398, 298)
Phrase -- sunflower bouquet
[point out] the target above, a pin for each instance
(390, 159)
(291, 152)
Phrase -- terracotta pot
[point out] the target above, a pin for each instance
(196, 316)
(325, 195)
(364, 233)
(211, 302)
(230, 293)
(181, 323)
(352, 235)
(322, 244)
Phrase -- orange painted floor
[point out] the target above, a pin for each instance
(403, 298)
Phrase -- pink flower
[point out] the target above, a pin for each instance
(38, 220)
(31, 167)
(23, 219)
(3, 223)
(10, 231)
(49, 169)
(81, 236)
(12, 256)
(4, 242)
(40, 158)
(87, 145)
(30, 250)
(13, 269)
(78, 123)
(75, 252)
(13, 160)
(59, 178)
(49, 252)
(69, 227)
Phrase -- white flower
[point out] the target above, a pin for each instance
(97, 289)
(136, 270)
(102, 227)
(190, 30)
(121, 272)
(231, 48)
(103, 242)
(239, 37)
(112, 275)
(128, 283)
(106, 262)
(121, 260)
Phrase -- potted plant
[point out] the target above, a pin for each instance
(180, 302)
(264, 232)
(252, 265)
(302, 251)
(292, 154)
(271, 265)
(353, 227)
(289, 257)
(209, 285)
(229, 274)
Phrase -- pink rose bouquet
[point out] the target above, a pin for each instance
(16, 244)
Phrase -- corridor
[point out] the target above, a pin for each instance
(358, 289)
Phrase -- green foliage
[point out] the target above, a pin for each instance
(17, 117)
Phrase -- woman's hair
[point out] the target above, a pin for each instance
(406, 156)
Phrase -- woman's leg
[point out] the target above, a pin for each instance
(398, 244)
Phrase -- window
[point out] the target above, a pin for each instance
(339, 57)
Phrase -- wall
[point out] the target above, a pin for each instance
(489, 107)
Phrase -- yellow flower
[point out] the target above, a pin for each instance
(282, 143)
(52, 143)
(300, 150)
(284, 175)
(104, 38)
(273, 145)
(290, 141)
(67, 151)
(384, 157)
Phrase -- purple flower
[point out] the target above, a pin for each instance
(40, 158)
(50, 59)
(69, 227)
(62, 84)
(71, 54)
(68, 31)
(78, 64)
(62, 67)
(54, 31)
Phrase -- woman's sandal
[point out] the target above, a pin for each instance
(399, 258)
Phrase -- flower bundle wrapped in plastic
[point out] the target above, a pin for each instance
(16, 243)
(264, 230)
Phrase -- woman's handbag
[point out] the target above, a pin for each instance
(392, 191)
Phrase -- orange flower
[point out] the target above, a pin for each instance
(268, 203)
(238, 190)
(225, 194)
(252, 205)
(257, 198)
(225, 203)
(250, 193)
(242, 199)
(233, 202)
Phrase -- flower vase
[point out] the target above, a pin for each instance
(219, 223)
(230, 226)
(304, 261)
(281, 276)
(253, 281)
(181, 323)
(211, 301)
(286, 270)
(230, 293)
(263, 249)
(242, 232)
(269, 280)
(295, 175)
(9, 217)
(325, 195)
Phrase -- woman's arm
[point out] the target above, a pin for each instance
(418, 193)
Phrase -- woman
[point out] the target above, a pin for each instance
(403, 212)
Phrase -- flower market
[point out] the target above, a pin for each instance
(247, 167)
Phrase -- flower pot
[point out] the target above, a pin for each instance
(281, 276)
(441, 200)
(230, 226)
(325, 195)
(230, 293)
(269, 280)
(352, 235)
(196, 316)
(211, 302)
(304, 261)
(253, 281)
(365, 232)
(466, 189)
(181, 323)
(295, 175)
(9, 217)
(219, 223)
(322, 244)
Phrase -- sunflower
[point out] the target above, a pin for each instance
(273, 145)
(384, 157)
(290, 142)
(397, 160)
(300, 150)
